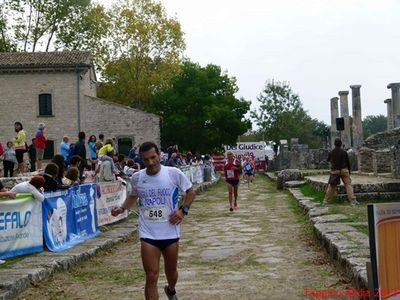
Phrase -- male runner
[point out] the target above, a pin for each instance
(232, 170)
(157, 188)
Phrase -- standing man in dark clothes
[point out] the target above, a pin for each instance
(32, 155)
(340, 168)
(80, 150)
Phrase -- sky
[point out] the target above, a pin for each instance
(320, 47)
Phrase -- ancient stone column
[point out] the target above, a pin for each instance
(395, 103)
(334, 114)
(344, 113)
(357, 128)
(389, 113)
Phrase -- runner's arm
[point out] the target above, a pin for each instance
(130, 200)
(177, 215)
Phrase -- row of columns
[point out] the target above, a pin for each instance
(393, 106)
(352, 135)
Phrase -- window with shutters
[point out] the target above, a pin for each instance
(45, 105)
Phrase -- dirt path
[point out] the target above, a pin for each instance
(260, 251)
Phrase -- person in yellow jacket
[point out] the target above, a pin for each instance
(20, 145)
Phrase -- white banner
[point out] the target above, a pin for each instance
(21, 230)
(254, 151)
(110, 194)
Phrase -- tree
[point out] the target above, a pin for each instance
(200, 111)
(374, 124)
(145, 52)
(6, 45)
(36, 23)
(281, 116)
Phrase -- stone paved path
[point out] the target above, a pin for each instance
(260, 251)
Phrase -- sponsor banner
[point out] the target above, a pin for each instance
(110, 194)
(384, 237)
(197, 174)
(219, 162)
(188, 172)
(20, 226)
(254, 151)
(70, 217)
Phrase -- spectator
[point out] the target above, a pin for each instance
(50, 177)
(40, 145)
(75, 161)
(5, 193)
(1, 149)
(72, 177)
(64, 147)
(100, 142)
(92, 151)
(115, 142)
(34, 187)
(9, 160)
(32, 155)
(105, 169)
(120, 164)
(132, 153)
(80, 150)
(131, 167)
(58, 159)
(172, 162)
(20, 145)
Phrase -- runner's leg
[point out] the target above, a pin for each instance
(230, 195)
(151, 265)
(170, 255)
(235, 189)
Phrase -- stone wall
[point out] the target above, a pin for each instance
(395, 161)
(318, 159)
(365, 160)
(121, 121)
(382, 161)
(383, 140)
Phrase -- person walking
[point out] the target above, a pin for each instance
(20, 145)
(156, 188)
(232, 170)
(40, 145)
(9, 160)
(340, 169)
(32, 156)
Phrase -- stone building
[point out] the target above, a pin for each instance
(59, 89)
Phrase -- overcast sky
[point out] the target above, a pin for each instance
(319, 46)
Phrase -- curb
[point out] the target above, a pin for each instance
(37, 267)
(349, 254)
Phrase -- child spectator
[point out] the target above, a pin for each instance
(9, 160)
(34, 187)
(72, 177)
(40, 144)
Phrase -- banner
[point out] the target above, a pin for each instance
(197, 174)
(70, 217)
(254, 151)
(187, 170)
(110, 194)
(20, 226)
(384, 237)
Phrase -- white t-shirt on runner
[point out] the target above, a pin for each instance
(158, 197)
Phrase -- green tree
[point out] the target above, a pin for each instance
(281, 116)
(145, 52)
(200, 111)
(35, 24)
(6, 45)
(374, 124)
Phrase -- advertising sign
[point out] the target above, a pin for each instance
(20, 226)
(110, 194)
(69, 217)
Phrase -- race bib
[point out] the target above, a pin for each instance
(156, 214)
(230, 174)
(249, 167)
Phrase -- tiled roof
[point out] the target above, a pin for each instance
(44, 59)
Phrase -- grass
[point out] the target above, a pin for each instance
(309, 191)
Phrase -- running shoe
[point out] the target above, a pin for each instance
(235, 206)
(231, 209)
(354, 203)
(171, 296)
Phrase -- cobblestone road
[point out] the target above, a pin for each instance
(261, 251)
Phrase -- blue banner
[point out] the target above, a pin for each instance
(70, 217)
